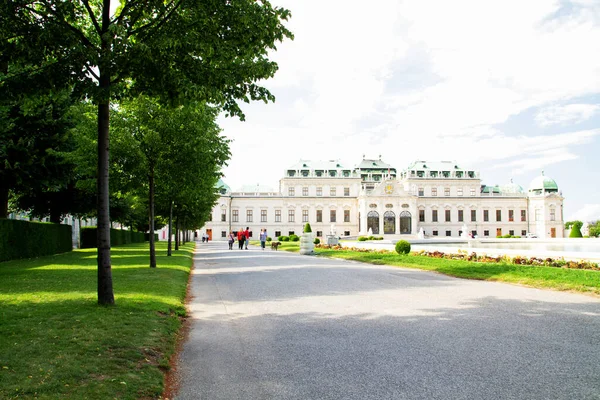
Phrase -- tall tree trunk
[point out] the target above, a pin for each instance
(177, 233)
(151, 218)
(170, 228)
(3, 201)
(105, 287)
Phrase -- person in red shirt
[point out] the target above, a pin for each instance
(241, 238)
(247, 236)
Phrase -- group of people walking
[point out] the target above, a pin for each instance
(243, 237)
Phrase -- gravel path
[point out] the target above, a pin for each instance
(277, 325)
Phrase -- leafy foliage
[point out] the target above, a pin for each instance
(23, 239)
(307, 228)
(402, 247)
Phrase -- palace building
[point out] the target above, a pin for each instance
(427, 199)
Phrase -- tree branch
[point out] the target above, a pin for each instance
(162, 21)
(86, 3)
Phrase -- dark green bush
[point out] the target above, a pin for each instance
(117, 237)
(269, 238)
(379, 238)
(361, 239)
(24, 239)
(402, 247)
(307, 228)
(371, 237)
(294, 238)
(317, 241)
(284, 238)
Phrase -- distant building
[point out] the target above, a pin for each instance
(440, 199)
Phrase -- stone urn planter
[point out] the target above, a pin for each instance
(307, 245)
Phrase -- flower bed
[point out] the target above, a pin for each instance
(474, 257)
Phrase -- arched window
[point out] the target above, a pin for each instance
(373, 222)
(405, 222)
(389, 223)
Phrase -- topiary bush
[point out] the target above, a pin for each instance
(269, 238)
(294, 238)
(307, 228)
(317, 241)
(575, 231)
(402, 247)
(284, 238)
(24, 239)
(371, 237)
(362, 239)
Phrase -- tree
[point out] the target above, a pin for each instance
(176, 50)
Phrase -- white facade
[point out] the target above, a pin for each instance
(439, 198)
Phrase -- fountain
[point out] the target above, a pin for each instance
(465, 232)
(421, 234)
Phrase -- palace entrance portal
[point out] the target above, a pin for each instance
(389, 223)
(373, 222)
(405, 222)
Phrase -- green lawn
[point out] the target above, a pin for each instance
(540, 277)
(56, 342)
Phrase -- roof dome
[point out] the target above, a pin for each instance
(512, 188)
(543, 183)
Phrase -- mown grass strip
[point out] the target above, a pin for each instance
(534, 276)
(56, 342)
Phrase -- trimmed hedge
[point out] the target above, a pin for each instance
(402, 247)
(24, 239)
(117, 237)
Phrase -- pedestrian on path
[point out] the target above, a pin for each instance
(247, 236)
(231, 240)
(263, 238)
(241, 238)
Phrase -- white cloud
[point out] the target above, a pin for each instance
(588, 213)
(568, 114)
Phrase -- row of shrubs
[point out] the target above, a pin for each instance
(507, 236)
(118, 237)
(365, 238)
(24, 239)
(291, 238)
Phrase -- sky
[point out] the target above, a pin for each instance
(509, 88)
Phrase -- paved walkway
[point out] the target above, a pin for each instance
(277, 325)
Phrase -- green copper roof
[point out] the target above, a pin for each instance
(543, 182)
(222, 185)
(511, 188)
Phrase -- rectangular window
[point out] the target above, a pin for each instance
(319, 191)
(248, 215)
(447, 191)
(448, 233)
(304, 215)
(511, 232)
(523, 215)
(434, 191)
(346, 215)
(421, 215)
(511, 215)
(486, 233)
(319, 233)
(421, 192)
(460, 216)
(346, 191)
(332, 192)
(552, 214)
(223, 233)
(486, 215)
(235, 216)
(538, 214)
(290, 233)
(523, 233)
(331, 215)
(291, 215)
(498, 215)
(223, 216)
(277, 216)
(434, 216)
(319, 215)
(473, 215)
(305, 191)
(277, 234)
(263, 215)
(435, 233)
(291, 191)
(459, 192)
(346, 233)
(447, 213)
(472, 192)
